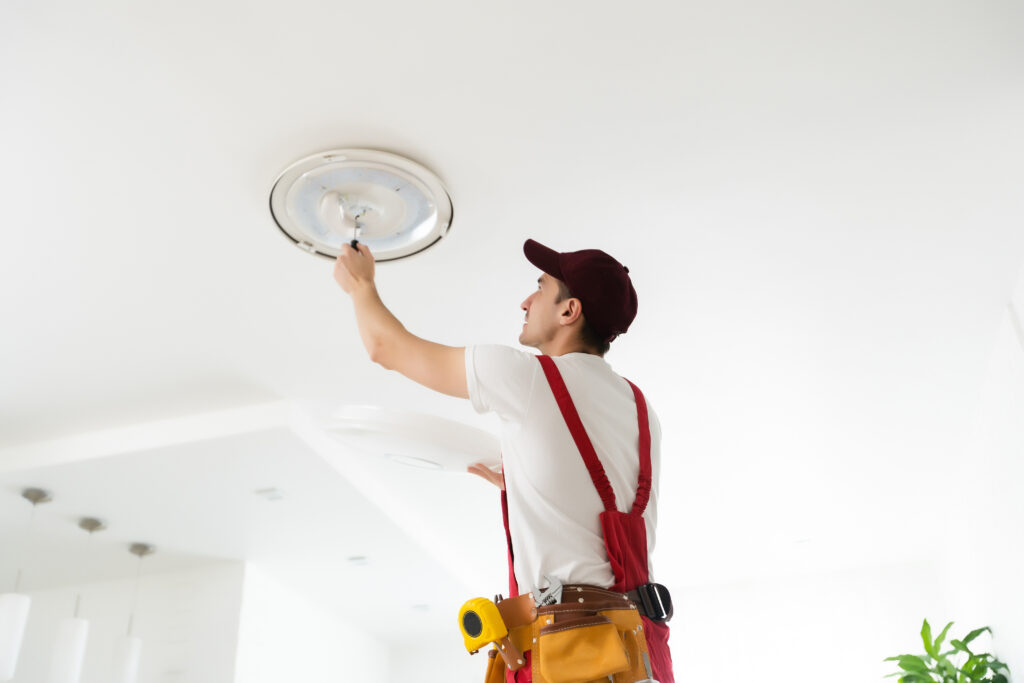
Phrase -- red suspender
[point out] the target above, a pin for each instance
(643, 489)
(513, 585)
(586, 448)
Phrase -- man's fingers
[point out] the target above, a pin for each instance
(485, 472)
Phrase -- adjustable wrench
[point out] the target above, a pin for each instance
(550, 595)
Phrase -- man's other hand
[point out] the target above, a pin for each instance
(495, 477)
(354, 268)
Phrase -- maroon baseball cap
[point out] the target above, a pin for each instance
(600, 282)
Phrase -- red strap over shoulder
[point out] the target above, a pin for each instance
(586, 448)
(579, 433)
(513, 585)
(643, 489)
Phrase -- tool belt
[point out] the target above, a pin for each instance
(592, 635)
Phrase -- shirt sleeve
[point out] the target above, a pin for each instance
(500, 379)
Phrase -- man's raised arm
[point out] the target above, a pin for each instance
(435, 366)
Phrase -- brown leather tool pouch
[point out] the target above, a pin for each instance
(581, 649)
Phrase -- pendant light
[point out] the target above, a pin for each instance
(14, 606)
(128, 653)
(73, 632)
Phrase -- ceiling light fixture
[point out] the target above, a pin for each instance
(413, 461)
(439, 444)
(73, 631)
(393, 204)
(270, 494)
(14, 607)
(128, 653)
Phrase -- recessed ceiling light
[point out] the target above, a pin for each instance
(270, 493)
(393, 204)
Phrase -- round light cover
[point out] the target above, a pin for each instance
(417, 440)
(392, 204)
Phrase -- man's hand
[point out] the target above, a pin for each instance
(482, 470)
(354, 268)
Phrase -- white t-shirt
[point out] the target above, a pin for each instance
(553, 507)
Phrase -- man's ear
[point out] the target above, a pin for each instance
(572, 312)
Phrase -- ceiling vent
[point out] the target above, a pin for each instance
(392, 204)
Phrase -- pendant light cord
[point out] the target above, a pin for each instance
(88, 555)
(25, 547)
(135, 596)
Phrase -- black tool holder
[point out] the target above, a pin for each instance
(656, 601)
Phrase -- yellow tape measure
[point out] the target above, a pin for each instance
(481, 623)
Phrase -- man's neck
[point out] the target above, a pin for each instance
(560, 347)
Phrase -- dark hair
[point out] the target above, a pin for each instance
(588, 336)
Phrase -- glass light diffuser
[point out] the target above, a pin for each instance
(13, 617)
(411, 439)
(392, 204)
(69, 651)
(127, 656)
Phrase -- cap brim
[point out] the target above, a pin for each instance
(543, 257)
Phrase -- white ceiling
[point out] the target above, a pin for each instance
(201, 502)
(820, 206)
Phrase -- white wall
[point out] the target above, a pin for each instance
(188, 622)
(837, 627)
(442, 659)
(283, 636)
(985, 573)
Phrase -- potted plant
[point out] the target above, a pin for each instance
(939, 667)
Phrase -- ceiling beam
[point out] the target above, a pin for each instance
(145, 436)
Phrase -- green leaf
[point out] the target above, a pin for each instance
(975, 667)
(942, 637)
(947, 668)
(996, 664)
(926, 636)
(999, 678)
(975, 633)
(912, 677)
(913, 663)
(960, 647)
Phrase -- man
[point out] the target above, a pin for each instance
(579, 442)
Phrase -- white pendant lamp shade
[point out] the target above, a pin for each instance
(127, 656)
(69, 651)
(392, 204)
(13, 617)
